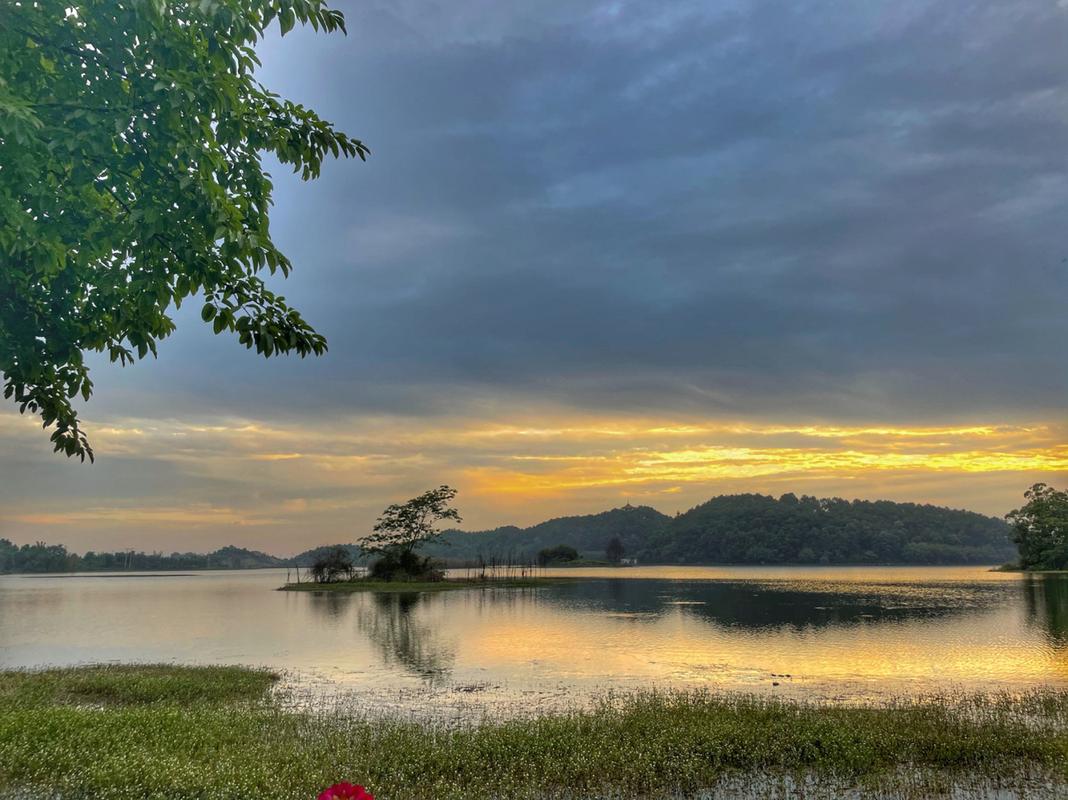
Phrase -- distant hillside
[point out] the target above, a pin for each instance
(731, 529)
(757, 529)
(308, 557)
(56, 558)
(636, 526)
(752, 528)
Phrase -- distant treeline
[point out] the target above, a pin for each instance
(41, 557)
(757, 529)
(732, 529)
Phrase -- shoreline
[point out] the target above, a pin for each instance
(586, 565)
(1015, 569)
(447, 585)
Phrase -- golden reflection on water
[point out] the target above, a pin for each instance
(845, 633)
(681, 648)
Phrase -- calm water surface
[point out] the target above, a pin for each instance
(820, 633)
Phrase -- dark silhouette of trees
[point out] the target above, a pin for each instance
(37, 557)
(733, 529)
(754, 529)
(402, 529)
(560, 554)
(1040, 528)
(405, 526)
(41, 557)
(333, 566)
(614, 550)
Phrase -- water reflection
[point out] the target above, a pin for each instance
(391, 624)
(330, 607)
(837, 633)
(1046, 598)
(759, 605)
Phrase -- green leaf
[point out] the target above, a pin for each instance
(287, 20)
(146, 167)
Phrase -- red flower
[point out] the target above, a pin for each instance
(345, 791)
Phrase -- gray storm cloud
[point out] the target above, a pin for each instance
(808, 209)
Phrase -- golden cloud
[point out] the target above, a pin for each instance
(339, 473)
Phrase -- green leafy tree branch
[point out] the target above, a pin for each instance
(131, 141)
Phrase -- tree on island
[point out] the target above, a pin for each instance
(560, 554)
(614, 550)
(402, 529)
(1040, 528)
(333, 566)
(131, 137)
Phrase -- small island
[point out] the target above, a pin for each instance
(398, 567)
(445, 585)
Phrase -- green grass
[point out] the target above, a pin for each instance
(215, 738)
(451, 584)
(133, 685)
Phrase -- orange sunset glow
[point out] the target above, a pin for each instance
(330, 482)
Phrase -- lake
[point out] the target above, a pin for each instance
(844, 634)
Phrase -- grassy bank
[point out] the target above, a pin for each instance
(116, 686)
(366, 585)
(174, 732)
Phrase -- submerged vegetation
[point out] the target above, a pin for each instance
(181, 732)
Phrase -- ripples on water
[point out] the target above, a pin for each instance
(841, 634)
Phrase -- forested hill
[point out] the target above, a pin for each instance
(757, 529)
(634, 525)
(42, 557)
(732, 529)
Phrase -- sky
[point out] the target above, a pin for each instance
(610, 252)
